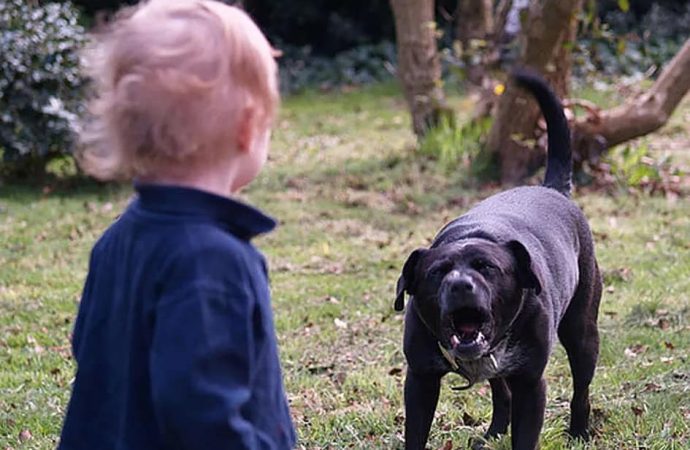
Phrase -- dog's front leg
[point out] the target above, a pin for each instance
(500, 418)
(528, 403)
(421, 397)
(501, 399)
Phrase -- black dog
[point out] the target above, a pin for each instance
(495, 288)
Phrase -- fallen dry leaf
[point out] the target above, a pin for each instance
(651, 387)
(320, 368)
(483, 391)
(468, 420)
(664, 324)
(25, 435)
(633, 351)
(395, 371)
(686, 413)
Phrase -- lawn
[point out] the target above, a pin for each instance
(353, 200)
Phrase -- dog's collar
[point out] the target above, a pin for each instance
(458, 368)
(454, 362)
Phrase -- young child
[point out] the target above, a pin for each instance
(174, 341)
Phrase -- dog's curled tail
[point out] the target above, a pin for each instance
(559, 161)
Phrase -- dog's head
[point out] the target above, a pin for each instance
(468, 292)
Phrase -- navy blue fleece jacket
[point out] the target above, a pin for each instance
(174, 341)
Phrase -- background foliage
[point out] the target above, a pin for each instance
(618, 42)
(40, 81)
(326, 44)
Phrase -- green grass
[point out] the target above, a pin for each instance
(353, 201)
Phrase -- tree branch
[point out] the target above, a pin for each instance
(645, 113)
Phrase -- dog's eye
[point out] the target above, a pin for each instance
(438, 270)
(483, 266)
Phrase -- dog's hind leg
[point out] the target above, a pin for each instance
(579, 335)
(421, 397)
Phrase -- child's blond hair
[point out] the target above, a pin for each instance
(172, 79)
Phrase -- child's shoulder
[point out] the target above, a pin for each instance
(184, 242)
(176, 233)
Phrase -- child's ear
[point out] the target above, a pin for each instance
(246, 130)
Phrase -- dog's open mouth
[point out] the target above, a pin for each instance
(466, 334)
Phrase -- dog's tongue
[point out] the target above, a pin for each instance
(466, 334)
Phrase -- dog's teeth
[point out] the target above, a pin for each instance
(454, 341)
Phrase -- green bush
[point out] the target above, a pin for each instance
(624, 44)
(300, 68)
(40, 82)
(457, 147)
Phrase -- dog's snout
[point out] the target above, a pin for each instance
(463, 285)
(460, 291)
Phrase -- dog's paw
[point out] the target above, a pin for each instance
(485, 442)
(478, 443)
(579, 434)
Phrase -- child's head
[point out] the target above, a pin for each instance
(180, 84)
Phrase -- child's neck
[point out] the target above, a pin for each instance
(212, 180)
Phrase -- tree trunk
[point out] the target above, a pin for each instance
(474, 27)
(419, 67)
(641, 115)
(502, 10)
(474, 20)
(546, 43)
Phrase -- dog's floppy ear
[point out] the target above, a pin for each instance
(406, 282)
(527, 273)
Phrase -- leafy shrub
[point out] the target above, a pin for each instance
(327, 26)
(633, 167)
(300, 68)
(40, 81)
(630, 45)
(455, 147)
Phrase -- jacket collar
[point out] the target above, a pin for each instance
(241, 219)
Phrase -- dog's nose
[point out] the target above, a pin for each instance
(463, 285)
(460, 292)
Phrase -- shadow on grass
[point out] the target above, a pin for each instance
(73, 187)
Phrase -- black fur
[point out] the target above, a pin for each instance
(495, 288)
(559, 164)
